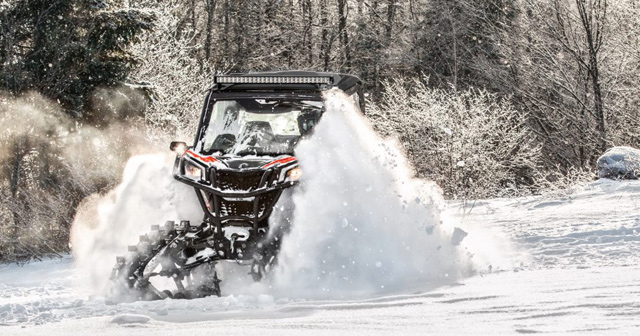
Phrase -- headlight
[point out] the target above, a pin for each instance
(192, 171)
(294, 174)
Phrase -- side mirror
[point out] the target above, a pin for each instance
(178, 146)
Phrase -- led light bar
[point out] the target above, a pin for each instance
(273, 80)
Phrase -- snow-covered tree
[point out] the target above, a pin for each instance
(473, 143)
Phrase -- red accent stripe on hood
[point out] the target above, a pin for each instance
(209, 159)
(280, 161)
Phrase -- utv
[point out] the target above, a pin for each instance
(241, 165)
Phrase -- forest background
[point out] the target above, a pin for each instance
(489, 98)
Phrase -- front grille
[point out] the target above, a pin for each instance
(239, 182)
(245, 208)
(235, 208)
(229, 180)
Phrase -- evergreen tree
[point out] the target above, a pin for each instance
(65, 49)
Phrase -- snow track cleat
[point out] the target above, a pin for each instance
(241, 165)
(173, 255)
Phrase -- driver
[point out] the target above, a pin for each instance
(257, 134)
(230, 116)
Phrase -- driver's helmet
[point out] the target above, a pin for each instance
(258, 131)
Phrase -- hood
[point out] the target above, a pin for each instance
(242, 162)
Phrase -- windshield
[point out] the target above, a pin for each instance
(259, 126)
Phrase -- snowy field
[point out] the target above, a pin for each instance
(575, 271)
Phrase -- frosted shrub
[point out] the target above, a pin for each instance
(472, 143)
(170, 67)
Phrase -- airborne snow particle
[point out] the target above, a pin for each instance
(457, 236)
(429, 229)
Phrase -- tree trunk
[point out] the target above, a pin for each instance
(225, 27)
(14, 186)
(211, 7)
(239, 31)
(593, 19)
(307, 13)
(324, 46)
(290, 42)
(391, 12)
(193, 15)
(342, 31)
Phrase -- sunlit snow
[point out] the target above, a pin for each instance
(372, 252)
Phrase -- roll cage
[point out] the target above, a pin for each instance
(292, 85)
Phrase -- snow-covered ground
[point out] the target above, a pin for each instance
(576, 272)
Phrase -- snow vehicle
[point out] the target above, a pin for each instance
(241, 164)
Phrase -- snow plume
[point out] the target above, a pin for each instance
(91, 156)
(50, 162)
(106, 224)
(362, 224)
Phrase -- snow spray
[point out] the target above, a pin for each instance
(106, 224)
(362, 224)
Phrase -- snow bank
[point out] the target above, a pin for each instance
(619, 163)
(362, 225)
